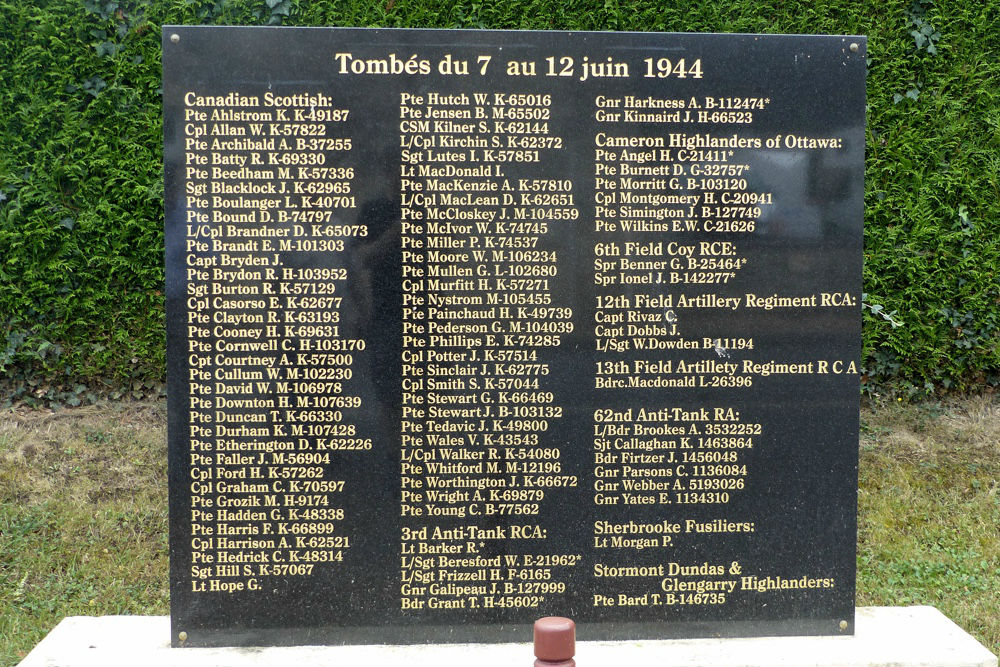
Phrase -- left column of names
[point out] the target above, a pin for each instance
(270, 216)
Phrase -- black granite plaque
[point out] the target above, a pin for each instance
(468, 328)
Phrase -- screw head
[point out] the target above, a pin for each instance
(854, 47)
(182, 636)
(175, 38)
(843, 625)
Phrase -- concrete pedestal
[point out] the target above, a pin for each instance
(885, 637)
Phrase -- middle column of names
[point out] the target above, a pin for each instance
(482, 319)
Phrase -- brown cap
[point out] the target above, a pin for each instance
(555, 639)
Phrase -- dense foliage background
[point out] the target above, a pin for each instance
(81, 193)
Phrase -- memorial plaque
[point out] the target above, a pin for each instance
(468, 328)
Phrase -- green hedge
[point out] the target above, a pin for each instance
(81, 195)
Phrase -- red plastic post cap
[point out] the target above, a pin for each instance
(555, 642)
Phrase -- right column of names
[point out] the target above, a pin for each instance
(677, 376)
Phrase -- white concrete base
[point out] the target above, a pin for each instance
(885, 637)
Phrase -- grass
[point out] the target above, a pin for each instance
(929, 511)
(83, 518)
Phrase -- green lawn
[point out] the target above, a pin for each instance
(83, 518)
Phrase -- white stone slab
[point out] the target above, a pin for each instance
(885, 637)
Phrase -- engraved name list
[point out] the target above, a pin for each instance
(469, 328)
